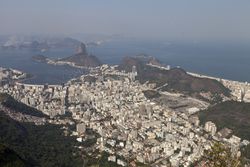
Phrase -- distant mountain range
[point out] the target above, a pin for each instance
(45, 42)
(39, 44)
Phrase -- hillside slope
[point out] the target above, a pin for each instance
(233, 115)
(177, 79)
(43, 145)
(9, 102)
(9, 158)
(82, 58)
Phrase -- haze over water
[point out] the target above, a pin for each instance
(220, 60)
(229, 61)
(21, 59)
(189, 22)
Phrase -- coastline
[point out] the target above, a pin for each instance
(60, 63)
(236, 87)
(240, 90)
(30, 76)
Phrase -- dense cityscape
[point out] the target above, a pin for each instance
(131, 127)
(124, 83)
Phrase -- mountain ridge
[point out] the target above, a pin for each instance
(175, 79)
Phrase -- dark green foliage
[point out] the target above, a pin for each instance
(231, 114)
(39, 145)
(246, 152)
(178, 80)
(150, 94)
(89, 142)
(11, 103)
(9, 158)
(139, 164)
(90, 79)
(3, 97)
(216, 99)
(221, 156)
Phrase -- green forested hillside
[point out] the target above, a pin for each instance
(9, 158)
(9, 102)
(39, 145)
(231, 114)
(177, 79)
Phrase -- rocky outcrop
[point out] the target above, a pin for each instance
(40, 58)
(82, 58)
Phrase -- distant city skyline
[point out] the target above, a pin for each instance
(193, 19)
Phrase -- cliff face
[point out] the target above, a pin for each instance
(81, 58)
(82, 49)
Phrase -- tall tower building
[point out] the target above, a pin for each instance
(133, 73)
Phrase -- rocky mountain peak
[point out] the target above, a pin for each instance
(82, 49)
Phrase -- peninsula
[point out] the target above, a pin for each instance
(81, 59)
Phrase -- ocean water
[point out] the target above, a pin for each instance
(224, 60)
(42, 73)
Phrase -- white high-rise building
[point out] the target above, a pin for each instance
(210, 127)
(81, 128)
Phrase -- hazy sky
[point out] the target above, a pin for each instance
(197, 19)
